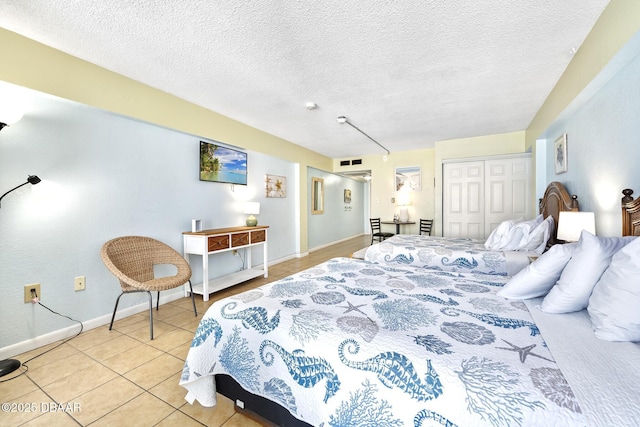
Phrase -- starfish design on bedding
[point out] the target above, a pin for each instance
(523, 351)
(352, 307)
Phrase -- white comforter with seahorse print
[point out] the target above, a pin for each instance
(447, 254)
(350, 343)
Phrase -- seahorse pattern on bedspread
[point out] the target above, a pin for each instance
(350, 343)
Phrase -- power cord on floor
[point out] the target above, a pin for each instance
(35, 300)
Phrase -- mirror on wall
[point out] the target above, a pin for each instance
(317, 196)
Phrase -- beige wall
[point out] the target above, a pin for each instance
(383, 184)
(617, 24)
(36, 66)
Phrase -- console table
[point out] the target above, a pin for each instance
(207, 242)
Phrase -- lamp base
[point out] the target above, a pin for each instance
(252, 221)
(8, 365)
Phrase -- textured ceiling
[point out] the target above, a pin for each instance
(407, 73)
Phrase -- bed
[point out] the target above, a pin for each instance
(469, 255)
(353, 343)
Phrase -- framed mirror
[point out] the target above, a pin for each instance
(317, 196)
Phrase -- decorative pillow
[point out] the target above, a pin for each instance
(538, 277)
(614, 306)
(495, 239)
(589, 260)
(537, 240)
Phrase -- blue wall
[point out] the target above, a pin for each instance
(603, 131)
(106, 176)
(340, 220)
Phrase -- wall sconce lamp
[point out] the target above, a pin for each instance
(32, 179)
(571, 224)
(251, 209)
(342, 120)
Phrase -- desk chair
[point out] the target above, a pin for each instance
(376, 233)
(425, 226)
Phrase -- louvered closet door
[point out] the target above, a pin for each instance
(463, 200)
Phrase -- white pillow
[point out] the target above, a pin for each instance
(538, 277)
(588, 262)
(614, 306)
(494, 241)
(537, 240)
(519, 233)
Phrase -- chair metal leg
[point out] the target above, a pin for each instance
(193, 300)
(150, 315)
(158, 301)
(114, 311)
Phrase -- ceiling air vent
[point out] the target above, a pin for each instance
(356, 162)
(344, 163)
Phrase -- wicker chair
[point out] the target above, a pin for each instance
(131, 260)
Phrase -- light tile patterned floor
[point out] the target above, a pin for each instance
(120, 377)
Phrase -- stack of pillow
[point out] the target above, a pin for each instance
(520, 235)
(596, 273)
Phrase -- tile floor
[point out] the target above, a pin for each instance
(120, 377)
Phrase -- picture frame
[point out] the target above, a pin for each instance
(408, 178)
(347, 196)
(275, 186)
(560, 154)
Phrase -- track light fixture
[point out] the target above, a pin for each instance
(343, 119)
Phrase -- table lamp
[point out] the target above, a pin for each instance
(251, 209)
(571, 224)
(403, 201)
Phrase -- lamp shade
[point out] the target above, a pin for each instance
(571, 224)
(252, 208)
(9, 114)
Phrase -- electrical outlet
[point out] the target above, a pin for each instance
(79, 283)
(32, 291)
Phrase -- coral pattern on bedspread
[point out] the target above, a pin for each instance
(349, 343)
(438, 253)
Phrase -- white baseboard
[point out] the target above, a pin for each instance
(60, 334)
(334, 242)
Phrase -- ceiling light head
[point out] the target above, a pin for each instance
(342, 119)
(311, 105)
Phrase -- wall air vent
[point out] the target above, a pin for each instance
(356, 162)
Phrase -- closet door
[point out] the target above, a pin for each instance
(480, 194)
(507, 191)
(463, 200)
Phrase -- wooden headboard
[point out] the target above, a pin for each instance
(557, 199)
(630, 214)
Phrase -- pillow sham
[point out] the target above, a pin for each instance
(614, 306)
(538, 277)
(495, 240)
(536, 241)
(519, 234)
(589, 260)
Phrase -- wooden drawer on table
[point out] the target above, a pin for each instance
(239, 239)
(217, 243)
(258, 236)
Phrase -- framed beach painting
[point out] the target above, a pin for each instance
(408, 178)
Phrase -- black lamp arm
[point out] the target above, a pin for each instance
(32, 179)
